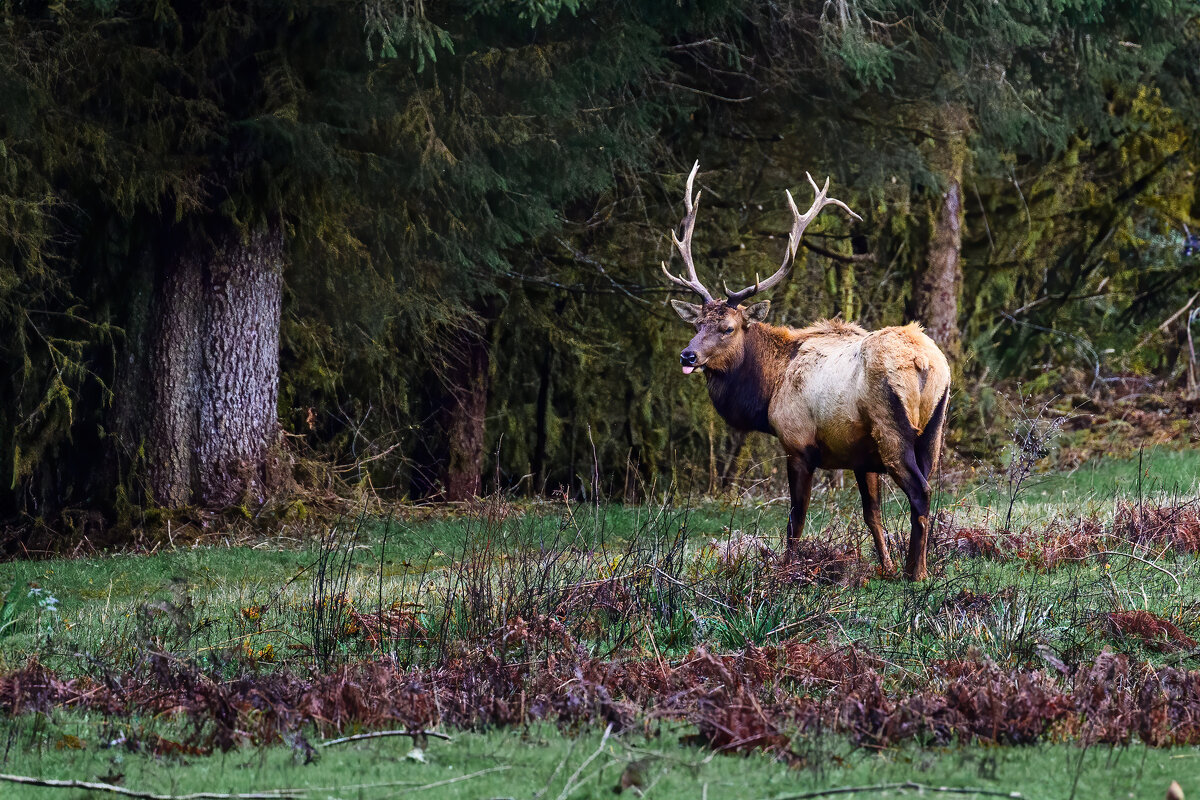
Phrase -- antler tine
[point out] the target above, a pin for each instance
(692, 204)
(799, 224)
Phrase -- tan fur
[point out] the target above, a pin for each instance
(833, 391)
(827, 381)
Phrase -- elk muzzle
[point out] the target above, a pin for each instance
(688, 360)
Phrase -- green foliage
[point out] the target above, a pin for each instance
(388, 32)
(23, 600)
(508, 171)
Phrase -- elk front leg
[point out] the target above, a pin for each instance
(800, 475)
(868, 490)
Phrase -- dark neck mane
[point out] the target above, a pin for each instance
(742, 393)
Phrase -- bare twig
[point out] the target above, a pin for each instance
(704, 93)
(92, 786)
(692, 589)
(1167, 323)
(879, 787)
(358, 737)
(853, 258)
(1151, 564)
(571, 780)
(412, 787)
(570, 749)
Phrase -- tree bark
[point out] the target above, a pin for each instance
(938, 286)
(542, 423)
(175, 378)
(466, 412)
(215, 369)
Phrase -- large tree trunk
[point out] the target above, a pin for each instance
(938, 286)
(215, 369)
(466, 411)
(175, 378)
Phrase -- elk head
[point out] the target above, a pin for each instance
(721, 324)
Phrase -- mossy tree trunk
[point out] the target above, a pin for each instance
(938, 285)
(215, 369)
(466, 411)
(537, 467)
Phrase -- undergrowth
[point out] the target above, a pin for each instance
(1074, 623)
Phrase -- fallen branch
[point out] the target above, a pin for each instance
(412, 786)
(358, 737)
(880, 787)
(1163, 328)
(690, 588)
(571, 780)
(1151, 564)
(275, 794)
(421, 787)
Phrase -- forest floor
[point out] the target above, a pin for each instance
(570, 650)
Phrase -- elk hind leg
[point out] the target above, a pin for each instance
(898, 445)
(868, 490)
(916, 488)
(929, 443)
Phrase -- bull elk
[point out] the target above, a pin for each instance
(836, 396)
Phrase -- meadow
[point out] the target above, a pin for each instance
(573, 650)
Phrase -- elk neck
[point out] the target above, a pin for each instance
(741, 391)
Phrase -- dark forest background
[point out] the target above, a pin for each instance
(255, 249)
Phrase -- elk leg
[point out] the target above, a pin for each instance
(800, 476)
(929, 442)
(919, 494)
(868, 490)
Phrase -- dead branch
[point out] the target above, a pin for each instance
(358, 737)
(571, 780)
(853, 258)
(273, 794)
(918, 787)
(412, 787)
(1151, 564)
(1167, 323)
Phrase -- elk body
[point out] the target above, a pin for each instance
(836, 395)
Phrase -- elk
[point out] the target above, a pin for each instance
(835, 395)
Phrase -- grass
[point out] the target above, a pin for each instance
(108, 604)
(543, 762)
(295, 606)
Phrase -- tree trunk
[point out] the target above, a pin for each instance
(215, 369)
(542, 423)
(466, 412)
(938, 286)
(175, 378)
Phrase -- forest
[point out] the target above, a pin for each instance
(351, 441)
(256, 251)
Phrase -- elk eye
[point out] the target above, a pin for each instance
(727, 330)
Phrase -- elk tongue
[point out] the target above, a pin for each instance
(688, 370)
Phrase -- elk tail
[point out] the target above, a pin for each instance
(928, 446)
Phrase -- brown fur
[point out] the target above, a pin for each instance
(837, 397)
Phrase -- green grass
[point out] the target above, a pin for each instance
(108, 605)
(226, 607)
(543, 762)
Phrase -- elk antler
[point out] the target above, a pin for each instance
(685, 247)
(800, 223)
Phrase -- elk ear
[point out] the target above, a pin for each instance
(688, 312)
(758, 311)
